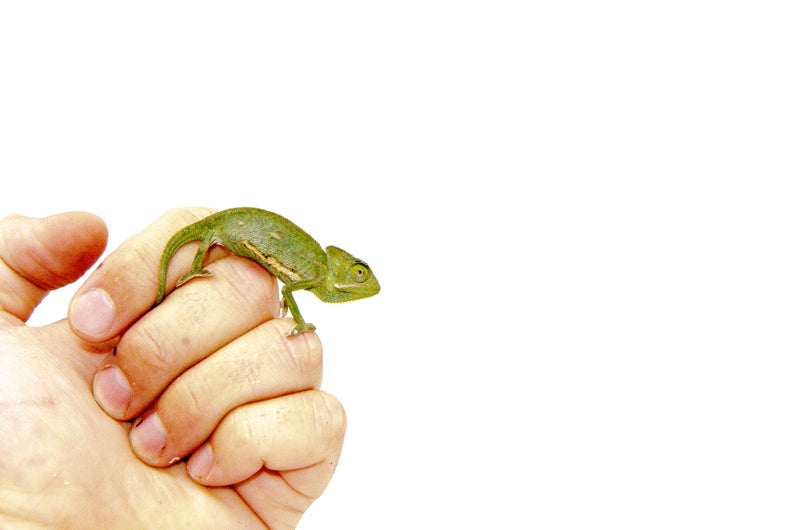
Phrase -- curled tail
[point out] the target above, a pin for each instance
(186, 235)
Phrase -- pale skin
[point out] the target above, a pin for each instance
(93, 409)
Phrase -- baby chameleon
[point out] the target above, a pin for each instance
(282, 248)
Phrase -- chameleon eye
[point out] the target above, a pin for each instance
(359, 273)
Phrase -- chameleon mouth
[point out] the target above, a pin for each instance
(349, 286)
(351, 291)
(355, 288)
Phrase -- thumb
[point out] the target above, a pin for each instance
(39, 255)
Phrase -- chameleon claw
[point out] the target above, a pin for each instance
(202, 273)
(300, 328)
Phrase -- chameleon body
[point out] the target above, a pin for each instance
(282, 248)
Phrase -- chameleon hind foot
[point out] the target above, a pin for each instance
(202, 273)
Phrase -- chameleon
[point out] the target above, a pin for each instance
(283, 249)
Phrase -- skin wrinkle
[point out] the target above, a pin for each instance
(252, 388)
(41, 262)
(243, 373)
(306, 498)
(325, 423)
(243, 287)
(13, 300)
(243, 291)
(334, 414)
(16, 295)
(246, 375)
(139, 259)
(275, 340)
(23, 234)
(284, 367)
(303, 367)
(262, 484)
(190, 399)
(325, 415)
(41, 254)
(247, 380)
(231, 315)
(301, 506)
(310, 362)
(293, 356)
(158, 359)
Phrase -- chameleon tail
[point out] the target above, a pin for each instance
(184, 236)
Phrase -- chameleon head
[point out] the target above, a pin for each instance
(348, 278)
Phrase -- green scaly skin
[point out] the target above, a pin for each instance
(282, 248)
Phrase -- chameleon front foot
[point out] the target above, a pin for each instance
(202, 273)
(300, 328)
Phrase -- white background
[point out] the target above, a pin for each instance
(582, 214)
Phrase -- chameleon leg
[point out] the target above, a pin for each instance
(288, 299)
(284, 310)
(197, 264)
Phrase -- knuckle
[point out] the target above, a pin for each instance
(303, 355)
(296, 362)
(243, 378)
(329, 418)
(141, 345)
(190, 396)
(141, 257)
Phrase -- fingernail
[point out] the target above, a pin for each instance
(93, 313)
(199, 463)
(112, 391)
(149, 437)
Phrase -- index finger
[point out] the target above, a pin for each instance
(123, 286)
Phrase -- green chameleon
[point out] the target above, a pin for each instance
(282, 248)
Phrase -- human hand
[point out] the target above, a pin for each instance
(210, 363)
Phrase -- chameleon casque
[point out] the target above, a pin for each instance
(282, 248)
